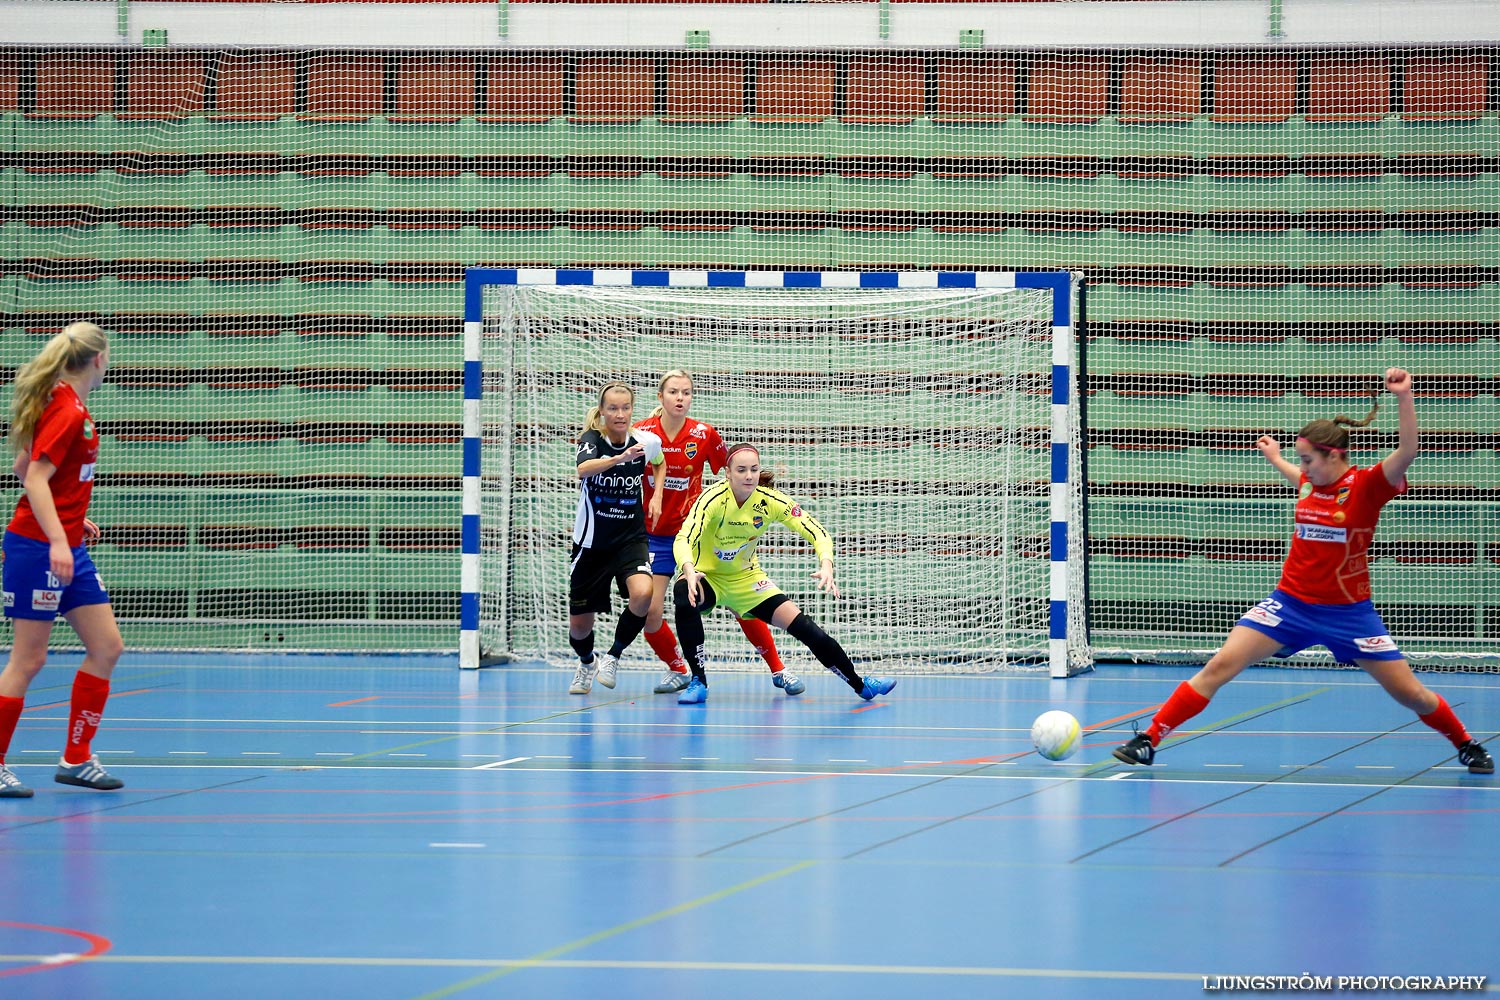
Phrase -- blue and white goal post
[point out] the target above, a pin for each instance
(931, 419)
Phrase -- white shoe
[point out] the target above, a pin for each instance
(583, 679)
(671, 682)
(608, 667)
(11, 786)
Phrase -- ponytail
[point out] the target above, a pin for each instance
(593, 421)
(1331, 435)
(70, 351)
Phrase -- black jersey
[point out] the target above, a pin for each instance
(610, 508)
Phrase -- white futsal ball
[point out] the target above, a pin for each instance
(1056, 735)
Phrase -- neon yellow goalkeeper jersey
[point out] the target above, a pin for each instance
(720, 536)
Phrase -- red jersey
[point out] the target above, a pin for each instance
(66, 437)
(695, 446)
(1335, 525)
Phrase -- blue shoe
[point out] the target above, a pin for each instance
(876, 686)
(696, 693)
(788, 682)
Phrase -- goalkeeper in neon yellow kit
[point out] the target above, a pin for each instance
(715, 552)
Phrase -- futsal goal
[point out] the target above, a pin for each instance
(928, 419)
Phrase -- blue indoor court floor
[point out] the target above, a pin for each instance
(397, 829)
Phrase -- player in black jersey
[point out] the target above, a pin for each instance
(609, 537)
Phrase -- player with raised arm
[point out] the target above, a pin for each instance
(609, 535)
(716, 557)
(688, 447)
(1323, 597)
(48, 571)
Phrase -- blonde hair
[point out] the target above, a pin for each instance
(592, 421)
(1330, 435)
(661, 387)
(70, 351)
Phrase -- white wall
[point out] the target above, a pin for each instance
(1106, 23)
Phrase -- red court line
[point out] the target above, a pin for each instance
(354, 701)
(866, 708)
(112, 696)
(97, 946)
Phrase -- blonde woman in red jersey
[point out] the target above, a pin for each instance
(47, 569)
(689, 446)
(1323, 597)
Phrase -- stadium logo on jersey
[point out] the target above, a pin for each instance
(1343, 495)
(1375, 644)
(690, 449)
(1305, 491)
(1321, 533)
(88, 429)
(45, 600)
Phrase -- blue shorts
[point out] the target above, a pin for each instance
(1350, 631)
(31, 591)
(663, 563)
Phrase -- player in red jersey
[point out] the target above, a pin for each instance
(1323, 597)
(689, 446)
(47, 569)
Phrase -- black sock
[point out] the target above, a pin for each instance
(626, 629)
(826, 648)
(690, 638)
(583, 647)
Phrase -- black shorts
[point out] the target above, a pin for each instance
(588, 584)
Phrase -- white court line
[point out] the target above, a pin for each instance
(186, 751)
(497, 763)
(1158, 777)
(260, 753)
(700, 758)
(334, 753)
(457, 845)
(406, 755)
(776, 760)
(627, 758)
(846, 760)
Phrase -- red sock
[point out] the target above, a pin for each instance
(1444, 721)
(89, 695)
(664, 642)
(1182, 706)
(10, 714)
(759, 634)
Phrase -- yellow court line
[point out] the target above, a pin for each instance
(595, 938)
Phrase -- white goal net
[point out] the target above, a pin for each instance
(916, 423)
